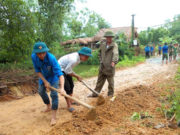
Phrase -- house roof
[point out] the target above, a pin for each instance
(100, 35)
(125, 30)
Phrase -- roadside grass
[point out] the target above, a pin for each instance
(130, 62)
(87, 71)
(24, 65)
(170, 105)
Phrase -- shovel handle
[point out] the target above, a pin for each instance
(73, 98)
(90, 88)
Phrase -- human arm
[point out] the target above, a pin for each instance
(57, 72)
(46, 83)
(76, 76)
(115, 57)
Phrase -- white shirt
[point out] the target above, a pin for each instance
(107, 46)
(69, 61)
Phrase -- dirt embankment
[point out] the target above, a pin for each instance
(113, 118)
(15, 85)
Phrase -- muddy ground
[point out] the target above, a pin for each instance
(137, 89)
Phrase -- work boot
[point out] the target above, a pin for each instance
(110, 94)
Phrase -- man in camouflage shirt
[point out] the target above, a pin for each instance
(108, 56)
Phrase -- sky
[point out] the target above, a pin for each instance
(148, 13)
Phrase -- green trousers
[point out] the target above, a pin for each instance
(101, 80)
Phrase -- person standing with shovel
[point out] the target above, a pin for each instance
(49, 73)
(67, 63)
(109, 56)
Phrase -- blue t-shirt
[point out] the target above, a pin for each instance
(147, 49)
(152, 48)
(49, 67)
(159, 48)
(165, 49)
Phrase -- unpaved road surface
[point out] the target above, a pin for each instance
(24, 116)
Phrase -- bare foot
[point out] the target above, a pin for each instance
(53, 122)
(48, 109)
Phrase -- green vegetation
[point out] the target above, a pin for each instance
(84, 23)
(127, 62)
(171, 102)
(22, 22)
(140, 115)
(86, 70)
(169, 32)
(92, 70)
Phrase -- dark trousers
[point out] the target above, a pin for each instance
(68, 84)
(101, 80)
(159, 52)
(147, 54)
(54, 95)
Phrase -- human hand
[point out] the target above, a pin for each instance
(61, 91)
(79, 78)
(112, 64)
(47, 85)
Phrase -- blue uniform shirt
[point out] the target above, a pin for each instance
(159, 48)
(165, 49)
(49, 67)
(147, 49)
(152, 48)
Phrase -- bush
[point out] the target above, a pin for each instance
(94, 60)
(123, 46)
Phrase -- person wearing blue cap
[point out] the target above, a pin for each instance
(50, 74)
(67, 63)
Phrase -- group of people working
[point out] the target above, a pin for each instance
(169, 52)
(59, 73)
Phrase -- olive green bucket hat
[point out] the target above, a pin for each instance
(109, 34)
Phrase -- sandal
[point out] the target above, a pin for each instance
(71, 109)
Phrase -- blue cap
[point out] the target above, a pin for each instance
(85, 51)
(40, 47)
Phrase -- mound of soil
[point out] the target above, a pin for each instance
(114, 117)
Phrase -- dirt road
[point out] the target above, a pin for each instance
(24, 116)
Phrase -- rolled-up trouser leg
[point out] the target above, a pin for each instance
(100, 82)
(54, 96)
(43, 94)
(110, 80)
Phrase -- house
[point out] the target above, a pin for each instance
(91, 41)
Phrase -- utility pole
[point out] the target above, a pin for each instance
(132, 29)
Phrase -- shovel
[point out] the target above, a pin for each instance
(91, 114)
(101, 99)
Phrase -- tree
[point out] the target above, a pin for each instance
(152, 35)
(50, 19)
(94, 23)
(17, 30)
(84, 23)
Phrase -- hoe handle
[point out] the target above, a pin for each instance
(73, 98)
(90, 88)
